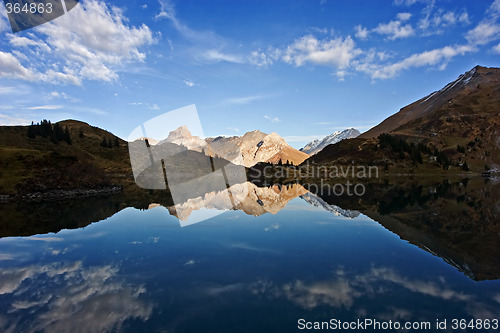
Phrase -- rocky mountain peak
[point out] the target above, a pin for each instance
(317, 145)
(183, 137)
(180, 133)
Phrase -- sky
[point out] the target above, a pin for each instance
(303, 69)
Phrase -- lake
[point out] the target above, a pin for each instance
(284, 260)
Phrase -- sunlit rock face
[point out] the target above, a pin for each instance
(247, 197)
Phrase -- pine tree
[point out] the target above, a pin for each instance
(66, 136)
(104, 142)
(117, 143)
(31, 131)
(53, 137)
(58, 132)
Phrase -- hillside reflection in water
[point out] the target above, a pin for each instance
(284, 253)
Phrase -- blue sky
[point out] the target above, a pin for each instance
(302, 69)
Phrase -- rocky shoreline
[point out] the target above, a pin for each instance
(56, 195)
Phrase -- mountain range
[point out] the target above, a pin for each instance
(248, 149)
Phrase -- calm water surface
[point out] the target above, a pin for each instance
(139, 270)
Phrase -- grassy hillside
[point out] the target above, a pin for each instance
(462, 119)
(42, 163)
(397, 155)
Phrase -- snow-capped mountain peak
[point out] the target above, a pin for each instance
(316, 146)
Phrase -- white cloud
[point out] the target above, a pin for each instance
(319, 30)
(394, 30)
(484, 33)
(436, 22)
(361, 32)
(405, 2)
(154, 107)
(4, 21)
(494, 9)
(336, 52)
(11, 67)
(403, 16)
(189, 83)
(496, 49)
(200, 38)
(272, 119)
(62, 95)
(260, 59)
(488, 30)
(449, 18)
(18, 41)
(437, 57)
(303, 138)
(75, 50)
(346, 58)
(213, 55)
(242, 100)
(13, 120)
(44, 107)
(464, 18)
(162, 14)
(7, 90)
(340, 74)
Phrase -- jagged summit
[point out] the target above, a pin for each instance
(255, 146)
(183, 137)
(316, 146)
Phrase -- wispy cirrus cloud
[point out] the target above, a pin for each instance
(206, 46)
(302, 138)
(244, 99)
(10, 120)
(44, 107)
(488, 30)
(437, 57)
(496, 49)
(214, 55)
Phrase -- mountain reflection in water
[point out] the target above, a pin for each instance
(456, 220)
(247, 270)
